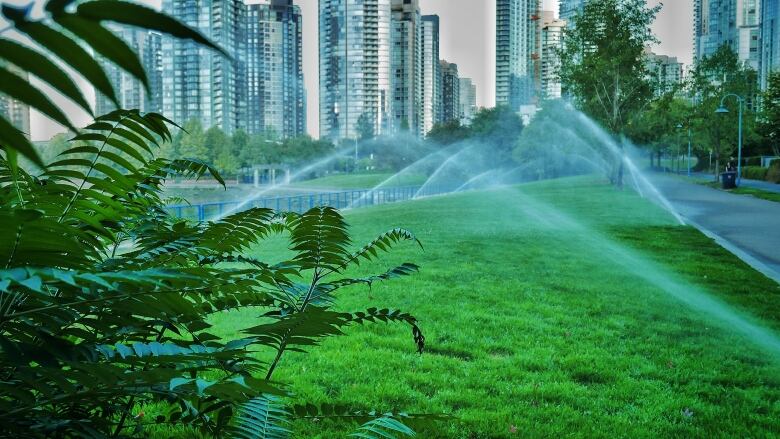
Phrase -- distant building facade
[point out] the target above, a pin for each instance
(468, 100)
(406, 65)
(568, 9)
(667, 72)
(199, 83)
(733, 23)
(129, 91)
(17, 113)
(516, 34)
(355, 45)
(550, 43)
(770, 40)
(275, 93)
(450, 95)
(430, 84)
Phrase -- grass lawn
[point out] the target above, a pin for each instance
(360, 181)
(550, 311)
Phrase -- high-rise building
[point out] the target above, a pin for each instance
(468, 101)
(199, 83)
(355, 86)
(550, 41)
(450, 92)
(770, 40)
(129, 91)
(667, 71)
(734, 23)
(406, 65)
(15, 112)
(275, 94)
(568, 9)
(516, 32)
(430, 84)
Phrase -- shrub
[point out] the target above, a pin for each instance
(754, 172)
(105, 298)
(773, 174)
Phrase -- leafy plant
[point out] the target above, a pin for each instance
(105, 299)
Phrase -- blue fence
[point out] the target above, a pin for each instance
(302, 203)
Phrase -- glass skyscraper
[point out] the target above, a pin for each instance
(129, 90)
(430, 83)
(516, 30)
(355, 46)
(733, 23)
(406, 65)
(770, 40)
(450, 92)
(199, 83)
(567, 9)
(275, 93)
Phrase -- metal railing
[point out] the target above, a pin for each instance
(300, 203)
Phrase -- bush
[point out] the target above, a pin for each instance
(754, 173)
(105, 298)
(773, 174)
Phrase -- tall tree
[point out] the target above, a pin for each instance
(602, 63)
(713, 78)
(365, 127)
(769, 118)
(193, 141)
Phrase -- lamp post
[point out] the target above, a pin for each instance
(677, 158)
(723, 110)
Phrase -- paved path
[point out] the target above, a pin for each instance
(748, 227)
(755, 184)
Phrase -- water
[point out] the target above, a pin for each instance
(255, 195)
(633, 262)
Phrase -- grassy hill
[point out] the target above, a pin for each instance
(553, 310)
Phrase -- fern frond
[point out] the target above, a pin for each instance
(263, 417)
(385, 427)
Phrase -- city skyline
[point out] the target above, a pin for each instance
(473, 51)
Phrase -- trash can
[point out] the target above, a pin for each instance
(729, 180)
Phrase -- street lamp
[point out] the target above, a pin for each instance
(723, 110)
(677, 158)
(679, 127)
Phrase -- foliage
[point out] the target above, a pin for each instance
(769, 117)
(773, 175)
(754, 172)
(365, 127)
(662, 126)
(447, 133)
(602, 61)
(241, 150)
(713, 78)
(105, 299)
(603, 65)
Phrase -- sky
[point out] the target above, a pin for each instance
(467, 37)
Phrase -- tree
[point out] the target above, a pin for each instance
(656, 126)
(365, 127)
(193, 141)
(498, 127)
(602, 63)
(447, 133)
(769, 117)
(713, 78)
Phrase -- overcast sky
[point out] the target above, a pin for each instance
(467, 39)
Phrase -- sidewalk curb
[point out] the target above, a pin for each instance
(736, 251)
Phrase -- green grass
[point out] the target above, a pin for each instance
(543, 318)
(360, 181)
(744, 190)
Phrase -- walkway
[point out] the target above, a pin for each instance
(748, 227)
(755, 184)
